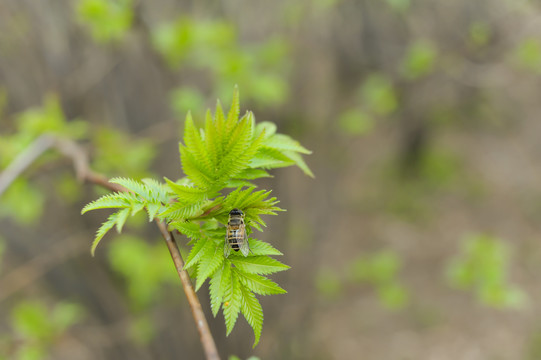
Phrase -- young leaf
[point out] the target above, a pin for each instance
(257, 264)
(196, 252)
(114, 200)
(252, 311)
(232, 303)
(262, 248)
(259, 284)
(106, 226)
(209, 262)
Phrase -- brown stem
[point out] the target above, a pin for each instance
(84, 173)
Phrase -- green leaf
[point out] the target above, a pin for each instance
(299, 161)
(232, 303)
(159, 192)
(197, 252)
(122, 216)
(152, 210)
(284, 143)
(194, 142)
(188, 228)
(132, 185)
(259, 284)
(252, 311)
(262, 248)
(115, 200)
(209, 262)
(217, 286)
(257, 264)
(187, 193)
(106, 226)
(194, 169)
(182, 211)
(251, 174)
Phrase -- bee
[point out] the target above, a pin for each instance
(235, 236)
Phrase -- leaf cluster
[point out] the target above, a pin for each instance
(220, 162)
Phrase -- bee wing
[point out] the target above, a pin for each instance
(244, 247)
(227, 246)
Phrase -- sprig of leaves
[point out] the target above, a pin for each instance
(227, 152)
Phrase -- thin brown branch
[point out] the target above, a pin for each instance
(84, 173)
(24, 160)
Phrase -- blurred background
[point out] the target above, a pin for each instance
(417, 239)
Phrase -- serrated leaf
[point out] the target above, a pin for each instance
(232, 303)
(137, 207)
(216, 291)
(122, 216)
(196, 172)
(252, 311)
(181, 211)
(114, 200)
(209, 262)
(255, 198)
(196, 252)
(158, 191)
(257, 264)
(285, 143)
(186, 193)
(269, 158)
(190, 229)
(194, 142)
(134, 186)
(259, 284)
(299, 161)
(152, 209)
(236, 183)
(269, 128)
(251, 174)
(259, 247)
(104, 228)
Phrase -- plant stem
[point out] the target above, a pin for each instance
(82, 168)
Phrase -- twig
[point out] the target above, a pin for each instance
(24, 160)
(84, 173)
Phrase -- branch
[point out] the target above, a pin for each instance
(83, 172)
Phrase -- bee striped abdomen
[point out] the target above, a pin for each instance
(235, 237)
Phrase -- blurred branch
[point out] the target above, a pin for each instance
(83, 172)
(26, 274)
(24, 160)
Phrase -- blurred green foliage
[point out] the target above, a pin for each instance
(380, 270)
(107, 20)
(23, 201)
(483, 267)
(400, 6)
(419, 60)
(36, 328)
(356, 122)
(378, 95)
(118, 153)
(329, 283)
(234, 357)
(528, 54)
(146, 269)
(376, 98)
(480, 33)
(184, 99)
(407, 192)
(213, 46)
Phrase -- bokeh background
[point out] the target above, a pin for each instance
(417, 239)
